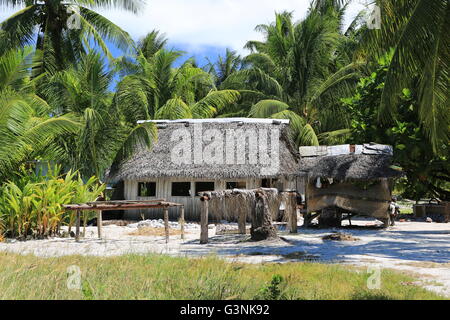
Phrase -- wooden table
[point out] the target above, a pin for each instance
(101, 206)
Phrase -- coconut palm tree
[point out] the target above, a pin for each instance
(109, 132)
(417, 30)
(160, 91)
(152, 43)
(225, 66)
(63, 30)
(27, 129)
(300, 71)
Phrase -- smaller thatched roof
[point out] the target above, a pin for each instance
(349, 167)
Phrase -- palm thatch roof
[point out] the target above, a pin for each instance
(349, 167)
(157, 162)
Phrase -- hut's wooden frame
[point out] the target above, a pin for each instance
(101, 206)
(192, 202)
(205, 197)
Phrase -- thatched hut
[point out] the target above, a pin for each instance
(347, 179)
(197, 155)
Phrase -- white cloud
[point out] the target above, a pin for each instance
(199, 23)
(207, 22)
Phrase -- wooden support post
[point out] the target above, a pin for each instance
(182, 222)
(99, 223)
(77, 230)
(166, 223)
(242, 219)
(292, 205)
(204, 221)
(84, 224)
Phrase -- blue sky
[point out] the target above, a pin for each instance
(205, 28)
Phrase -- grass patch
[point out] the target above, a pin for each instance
(164, 277)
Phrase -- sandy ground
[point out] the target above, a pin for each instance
(415, 247)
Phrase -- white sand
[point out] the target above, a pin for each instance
(415, 247)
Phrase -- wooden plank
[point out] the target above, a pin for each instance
(77, 230)
(166, 223)
(85, 207)
(204, 221)
(99, 223)
(291, 206)
(242, 219)
(116, 202)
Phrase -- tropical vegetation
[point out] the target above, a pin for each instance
(65, 98)
(62, 31)
(425, 171)
(31, 204)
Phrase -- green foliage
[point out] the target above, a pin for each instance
(157, 90)
(87, 291)
(32, 204)
(303, 67)
(427, 173)
(56, 101)
(109, 131)
(272, 291)
(417, 30)
(27, 125)
(225, 66)
(46, 24)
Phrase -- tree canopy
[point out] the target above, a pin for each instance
(64, 97)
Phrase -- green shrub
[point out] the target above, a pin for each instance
(273, 290)
(32, 204)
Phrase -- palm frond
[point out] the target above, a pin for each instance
(307, 136)
(152, 43)
(260, 81)
(267, 108)
(173, 109)
(100, 27)
(141, 136)
(214, 102)
(422, 52)
(19, 29)
(14, 67)
(334, 137)
(134, 6)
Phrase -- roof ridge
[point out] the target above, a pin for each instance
(220, 120)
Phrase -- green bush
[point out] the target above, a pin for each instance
(273, 290)
(32, 204)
